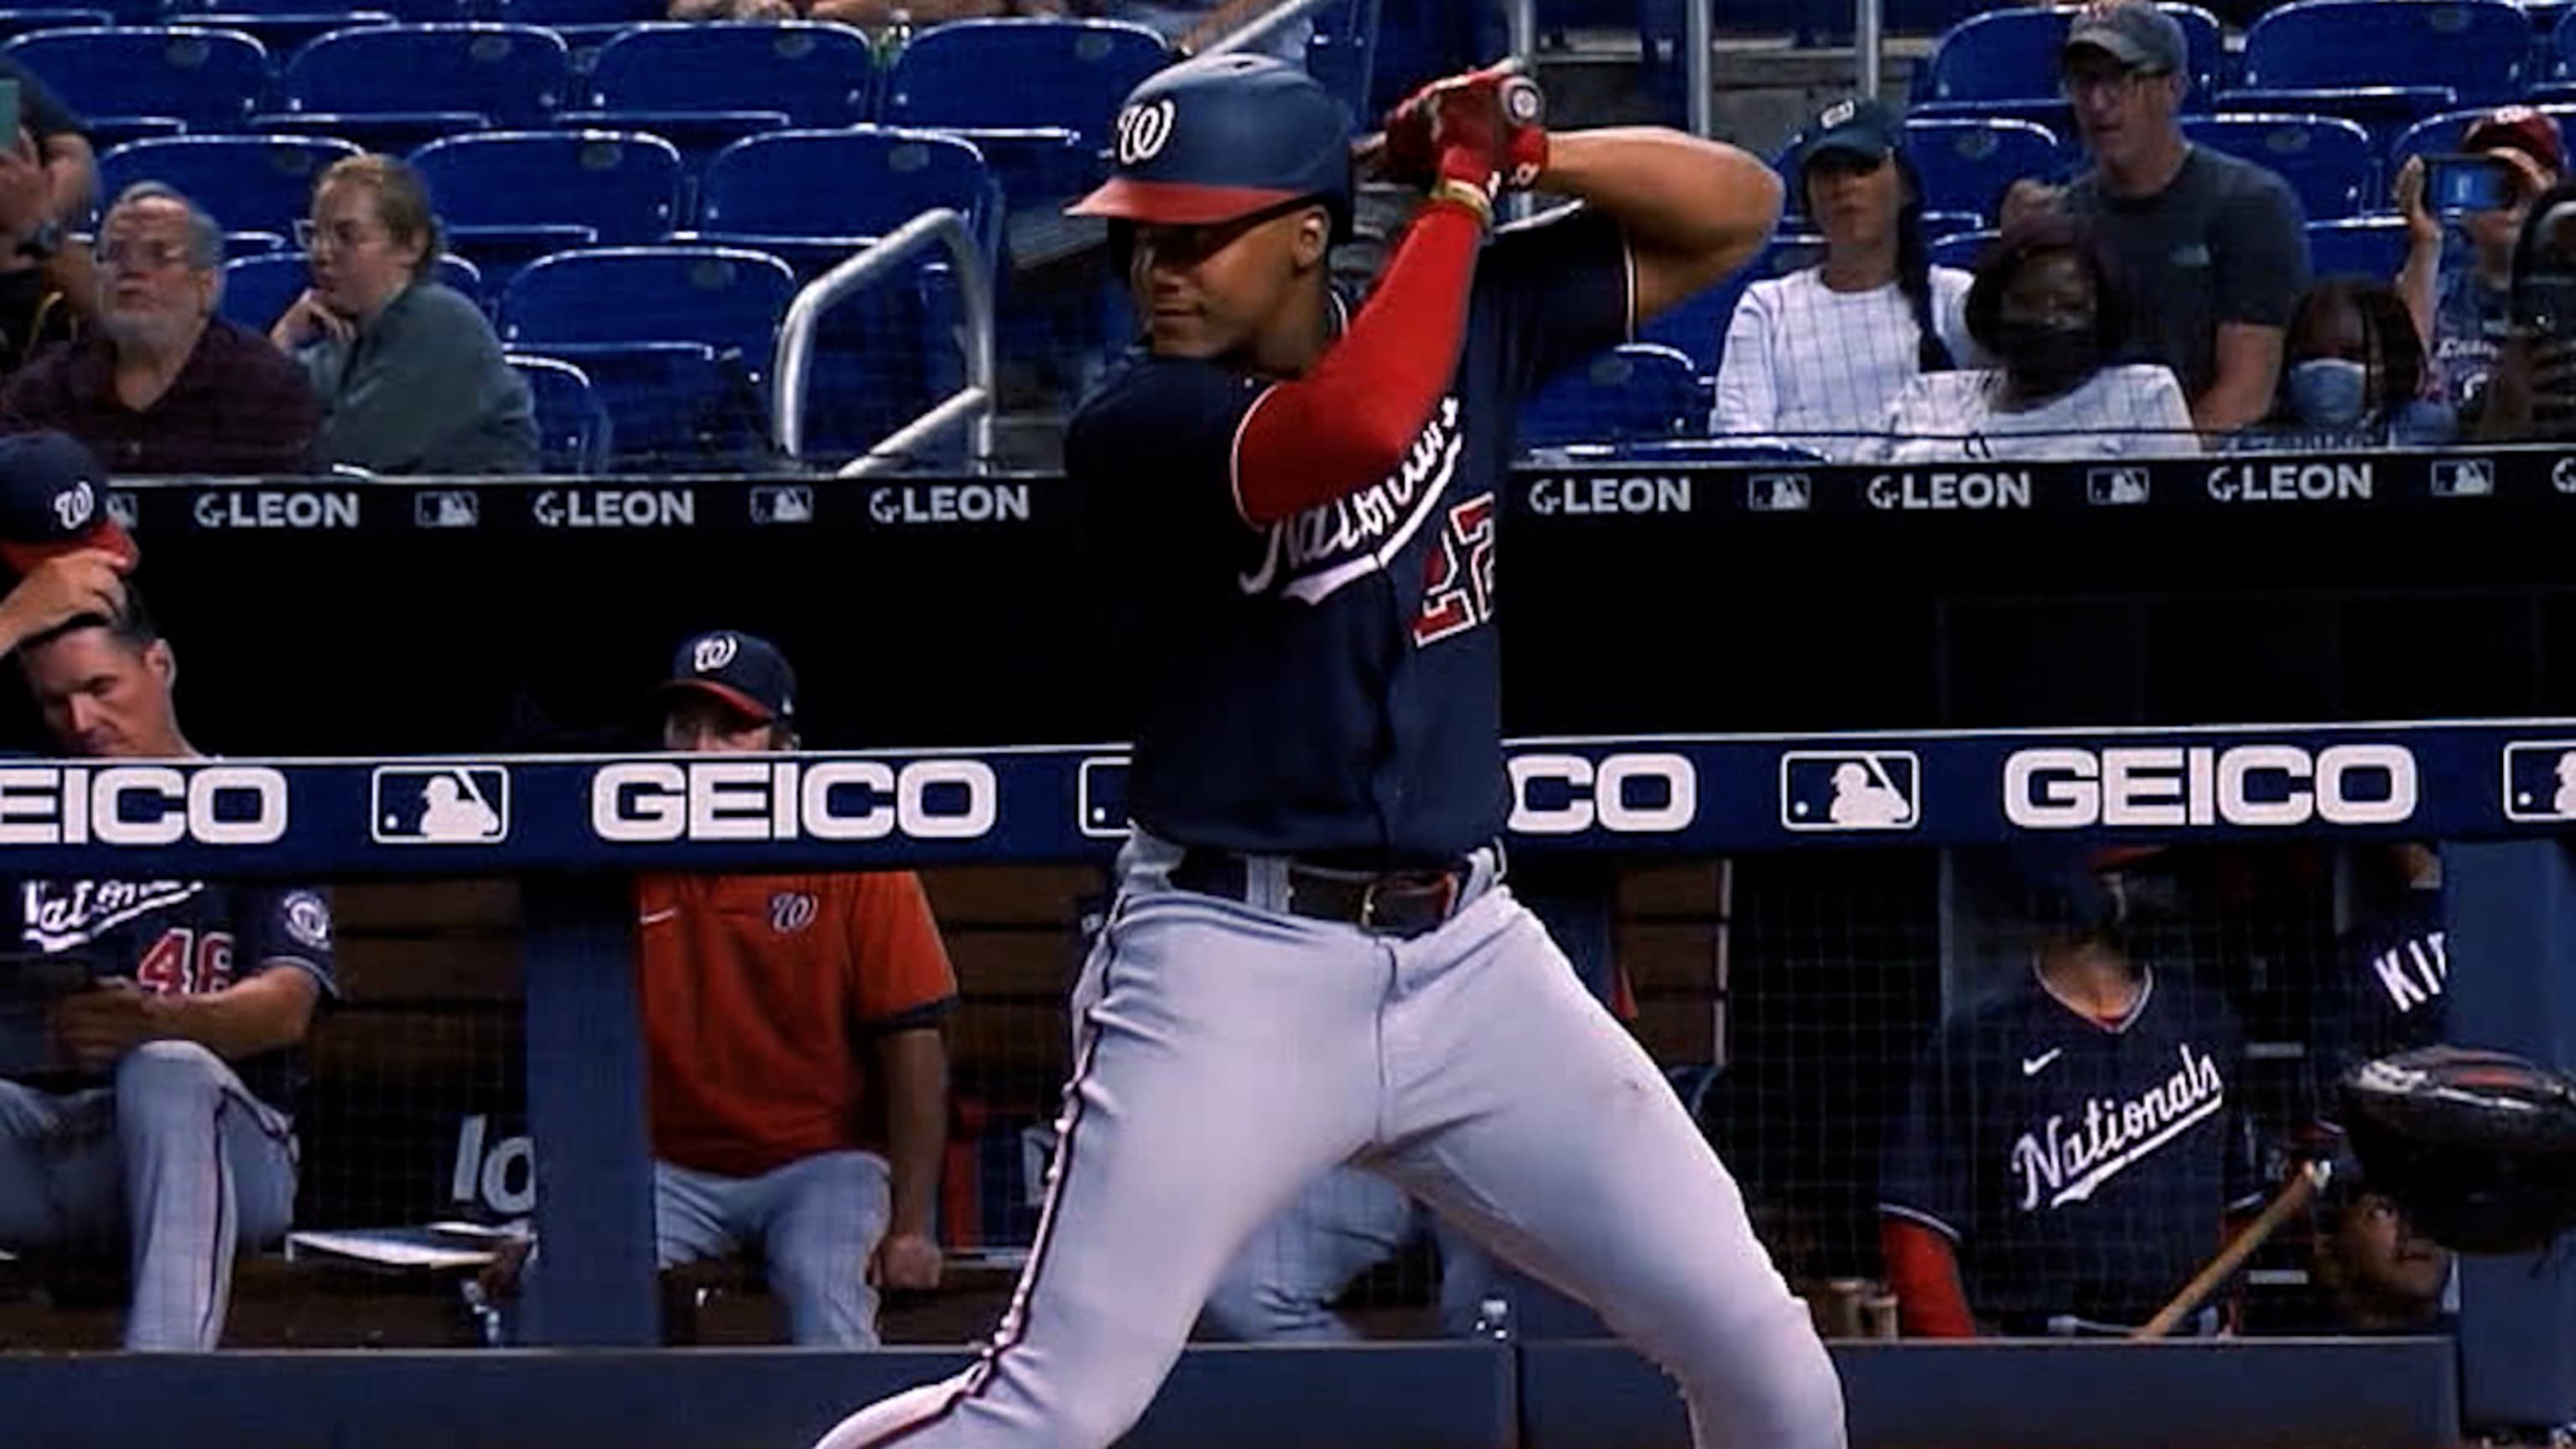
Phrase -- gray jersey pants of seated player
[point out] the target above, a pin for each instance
(817, 1221)
(178, 1157)
(1231, 1053)
(1281, 1287)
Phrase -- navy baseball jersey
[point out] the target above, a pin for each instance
(1328, 686)
(2081, 1169)
(185, 938)
(2388, 992)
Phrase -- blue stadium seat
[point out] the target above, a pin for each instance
(2329, 162)
(1964, 165)
(401, 10)
(1961, 249)
(2443, 133)
(761, 193)
(1070, 73)
(259, 288)
(1696, 328)
(2012, 55)
(2374, 246)
(2383, 111)
(675, 338)
(2478, 49)
(574, 431)
(247, 183)
(207, 80)
(618, 188)
(510, 75)
(285, 32)
(556, 14)
(820, 74)
(14, 23)
(1634, 391)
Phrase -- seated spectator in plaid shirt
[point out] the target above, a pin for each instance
(2047, 302)
(163, 385)
(408, 372)
(1814, 358)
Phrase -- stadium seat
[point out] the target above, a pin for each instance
(2329, 162)
(2383, 111)
(247, 183)
(1697, 327)
(285, 32)
(1964, 165)
(205, 80)
(2443, 133)
(761, 193)
(509, 197)
(1070, 73)
(675, 338)
(1961, 249)
(558, 14)
(2373, 246)
(574, 431)
(259, 288)
(2478, 49)
(421, 11)
(1637, 390)
(819, 74)
(2012, 55)
(14, 23)
(510, 75)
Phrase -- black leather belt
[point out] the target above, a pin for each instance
(1397, 903)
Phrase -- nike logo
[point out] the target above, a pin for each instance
(655, 918)
(2033, 1066)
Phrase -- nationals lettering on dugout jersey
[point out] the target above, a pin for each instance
(1328, 686)
(2081, 1169)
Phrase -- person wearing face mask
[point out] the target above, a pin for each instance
(2458, 292)
(2049, 305)
(2355, 375)
(408, 372)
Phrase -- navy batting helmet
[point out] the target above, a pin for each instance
(1222, 137)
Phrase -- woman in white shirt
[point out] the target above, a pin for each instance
(1813, 358)
(2049, 305)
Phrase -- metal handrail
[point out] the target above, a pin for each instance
(791, 375)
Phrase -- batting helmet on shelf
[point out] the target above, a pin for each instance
(1223, 137)
(2477, 1147)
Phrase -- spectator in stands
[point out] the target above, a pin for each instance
(2354, 376)
(2070, 1149)
(1814, 358)
(47, 180)
(2462, 311)
(162, 384)
(2531, 394)
(2213, 249)
(869, 14)
(2048, 304)
(407, 371)
(776, 1009)
(162, 1124)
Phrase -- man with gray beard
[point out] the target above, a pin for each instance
(2069, 1151)
(163, 385)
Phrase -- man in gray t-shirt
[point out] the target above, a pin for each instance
(2214, 248)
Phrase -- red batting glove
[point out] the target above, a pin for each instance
(1497, 99)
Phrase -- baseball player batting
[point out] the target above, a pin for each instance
(1312, 957)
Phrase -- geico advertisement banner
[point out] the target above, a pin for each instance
(334, 819)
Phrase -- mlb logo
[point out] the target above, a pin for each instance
(2463, 478)
(1778, 492)
(2540, 780)
(1100, 803)
(441, 805)
(448, 509)
(2117, 487)
(782, 504)
(1848, 790)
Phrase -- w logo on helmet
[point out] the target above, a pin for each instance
(713, 652)
(72, 506)
(1143, 131)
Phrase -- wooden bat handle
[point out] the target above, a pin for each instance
(2300, 1191)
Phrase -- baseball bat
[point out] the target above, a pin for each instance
(2293, 1197)
(1524, 104)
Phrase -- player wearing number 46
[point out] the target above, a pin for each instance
(2071, 1151)
(161, 1119)
(1312, 957)
(773, 1007)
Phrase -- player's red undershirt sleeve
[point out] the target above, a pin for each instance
(1923, 1273)
(1349, 423)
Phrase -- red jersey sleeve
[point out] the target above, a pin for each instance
(899, 965)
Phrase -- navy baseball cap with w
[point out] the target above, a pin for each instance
(1222, 137)
(743, 670)
(53, 500)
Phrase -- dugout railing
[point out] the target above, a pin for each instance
(341, 637)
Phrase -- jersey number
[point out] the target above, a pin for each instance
(1458, 580)
(183, 964)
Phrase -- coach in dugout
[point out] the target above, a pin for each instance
(776, 1011)
(158, 1116)
(2069, 1151)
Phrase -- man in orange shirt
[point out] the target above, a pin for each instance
(793, 1025)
